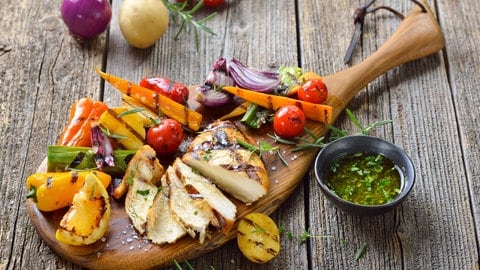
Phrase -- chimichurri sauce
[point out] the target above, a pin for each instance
(364, 178)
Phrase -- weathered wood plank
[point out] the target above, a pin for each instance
(462, 61)
(433, 102)
(43, 72)
(420, 226)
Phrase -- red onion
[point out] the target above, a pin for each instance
(252, 79)
(234, 73)
(210, 97)
(86, 18)
(102, 148)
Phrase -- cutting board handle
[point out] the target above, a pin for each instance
(417, 36)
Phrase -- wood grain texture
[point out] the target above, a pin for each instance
(433, 102)
(43, 73)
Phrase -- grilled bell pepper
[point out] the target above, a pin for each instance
(86, 221)
(55, 190)
(82, 113)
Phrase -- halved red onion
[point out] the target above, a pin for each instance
(210, 97)
(251, 78)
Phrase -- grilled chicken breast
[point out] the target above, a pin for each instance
(143, 174)
(162, 226)
(143, 165)
(216, 206)
(184, 208)
(217, 155)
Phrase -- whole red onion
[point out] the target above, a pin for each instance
(86, 18)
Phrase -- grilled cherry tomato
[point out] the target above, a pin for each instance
(165, 137)
(289, 121)
(213, 3)
(174, 90)
(313, 91)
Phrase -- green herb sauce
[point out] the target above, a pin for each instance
(364, 178)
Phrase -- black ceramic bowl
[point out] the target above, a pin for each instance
(361, 143)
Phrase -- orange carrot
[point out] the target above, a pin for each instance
(156, 102)
(316, 112)
(82, 114)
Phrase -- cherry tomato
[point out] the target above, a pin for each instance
(207, 3)
(289, 121)
(213, 3)
(313, 91)
(165, 137)
(174, 90)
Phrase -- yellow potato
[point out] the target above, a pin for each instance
(258, 237)
(143, 22)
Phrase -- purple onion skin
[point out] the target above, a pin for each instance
(210, 97)
(86, 19)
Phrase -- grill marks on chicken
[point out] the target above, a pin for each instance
(186, 198)
(216, 154)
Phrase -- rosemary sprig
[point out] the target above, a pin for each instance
(315, 141)
(132, 111)
(186, 18)
(360, 251)
(301, 237)
(365, 129)
(261, 148)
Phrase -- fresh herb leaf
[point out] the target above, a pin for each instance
(132, 111)
(186, 18)
(144, 192)
(360, 251)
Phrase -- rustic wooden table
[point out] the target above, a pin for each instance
(433, 102)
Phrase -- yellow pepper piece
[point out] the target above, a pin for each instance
(86, 221)
(55, 190)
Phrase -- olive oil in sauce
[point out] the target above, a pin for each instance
(364, 178)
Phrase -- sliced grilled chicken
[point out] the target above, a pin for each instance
(162, 226)
(139, 199)
(220, 210)
(143, 165)
(144, 174)
(184, 208)
(216, 154)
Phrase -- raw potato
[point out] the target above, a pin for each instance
(258, 237)
(143, 22)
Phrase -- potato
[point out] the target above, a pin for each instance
(258, 237)
(143, 22)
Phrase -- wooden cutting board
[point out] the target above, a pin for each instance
(417, 36)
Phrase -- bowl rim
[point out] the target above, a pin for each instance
(406, 185)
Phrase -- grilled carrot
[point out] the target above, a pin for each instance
(82, 113)
(155, 101)
(316, 112)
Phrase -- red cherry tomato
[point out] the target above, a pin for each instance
(313, 91)
(207, 3)
(165, 137)
(289, 121)
(174, 90)
(213, 3)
